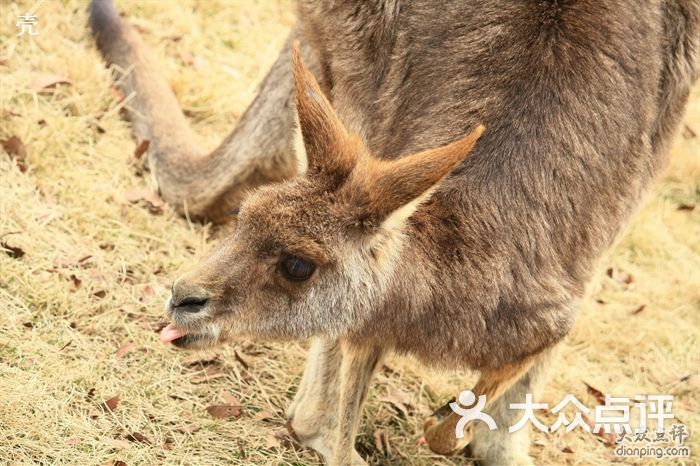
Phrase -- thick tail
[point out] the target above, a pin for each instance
(207, 186)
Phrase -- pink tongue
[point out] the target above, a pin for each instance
(170, 333)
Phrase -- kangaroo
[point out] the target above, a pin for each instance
(458, 169)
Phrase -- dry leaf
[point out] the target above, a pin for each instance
(141, 148)
(118, 443)
(66, 345)
(111, 404)
(597, 394)
(240, 360)
(224, 411)
(69, 262)
(189, 428)
(608, 438)
(688, 132)
(186, 56)
(17, 152)
(688, 207)
(400, 400)
(138, 438)
(567, 450)
(14, 252)
(230, 399)
(42, 81)
(263, 416)
(155, 203)
(126, 347)
(210, 373)
(77, 283)
(100, 294)
(639, 309)
(381, 441)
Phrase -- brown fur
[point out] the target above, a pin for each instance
(473, 262)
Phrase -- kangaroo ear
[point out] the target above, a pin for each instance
(394, 189)
(326, 147)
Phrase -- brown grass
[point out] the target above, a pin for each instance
(59, 341)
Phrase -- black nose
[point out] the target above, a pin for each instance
(188, 297)
(191, 303)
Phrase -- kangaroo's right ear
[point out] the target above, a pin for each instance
(326, 146)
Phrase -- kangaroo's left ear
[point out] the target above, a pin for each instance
(326, 146)
(391, 190)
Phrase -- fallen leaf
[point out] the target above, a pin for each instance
(100, 294)
(608, 438)
(14, 252)
(141, 148)
(230, 399)
(28, 324)
(155, 203)
(210, 373)
(41, 81)
(284, 439)
(125, 348)
(17, 152)
(597, 394)
(77, 283)
(111, 404)
(189, 428)
(240, 360)
(70, 262)
(688, 132)
(224, 411)
(567, 450)
(117, 94)
(639, 309)
(138, 438)
(118, 443)
(263, 416)
(400, 400)
(381, 441)
(66, 345)
(186, 56)
(620, 276)
(687, 207)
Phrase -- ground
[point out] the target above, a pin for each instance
(84, 273)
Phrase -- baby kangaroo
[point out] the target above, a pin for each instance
(401, 223)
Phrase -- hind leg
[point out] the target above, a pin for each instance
(500, 447)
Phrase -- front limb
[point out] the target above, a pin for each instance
(326, 410)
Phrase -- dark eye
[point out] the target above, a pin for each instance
(296, 269)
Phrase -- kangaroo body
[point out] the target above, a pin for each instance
(473, 262)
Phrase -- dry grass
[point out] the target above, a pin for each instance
(59, 342)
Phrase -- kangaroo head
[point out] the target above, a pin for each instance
(313, 255)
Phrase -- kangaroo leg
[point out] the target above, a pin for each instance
(326, 410)
(313, 415)
(357, 369)
(207, 186)
(496, 447)
(440, 434)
